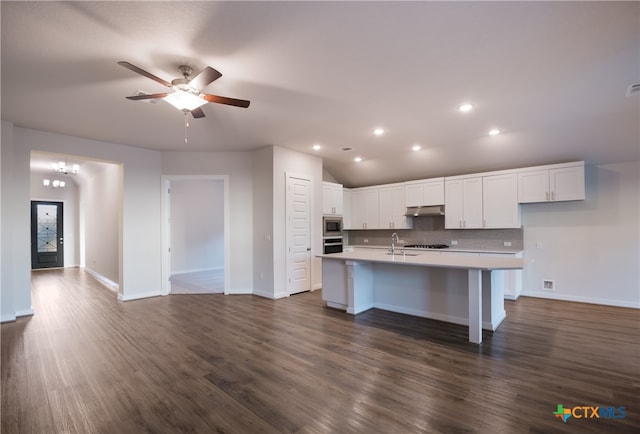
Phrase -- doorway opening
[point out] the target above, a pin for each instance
(195, 235)
(47, 242)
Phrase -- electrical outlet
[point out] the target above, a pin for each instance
(507, 243)
(549, 285)
(366, 241)
(454, 243)
(538, 245)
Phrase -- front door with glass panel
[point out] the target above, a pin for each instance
(46, 235)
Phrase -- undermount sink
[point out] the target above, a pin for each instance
(402, 254)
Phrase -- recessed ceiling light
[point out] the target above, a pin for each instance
(466, 107)
(494, 132)
(357, 159)
(378, 131)
(316, 147)
(416, 147)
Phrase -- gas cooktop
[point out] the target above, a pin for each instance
(427, 246)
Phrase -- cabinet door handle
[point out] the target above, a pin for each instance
(553, 195)
(547, 198)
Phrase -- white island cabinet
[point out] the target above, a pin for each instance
(454, 287)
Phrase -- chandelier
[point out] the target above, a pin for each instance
(63, 168)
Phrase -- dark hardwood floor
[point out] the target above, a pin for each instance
(86, 363)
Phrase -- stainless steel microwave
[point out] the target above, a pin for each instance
(331, 226)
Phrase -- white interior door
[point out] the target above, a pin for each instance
(298, 234)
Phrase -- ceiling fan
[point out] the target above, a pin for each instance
(187, 91)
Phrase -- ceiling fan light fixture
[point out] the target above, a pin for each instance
(184, 100)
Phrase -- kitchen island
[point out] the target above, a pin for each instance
(462, 288)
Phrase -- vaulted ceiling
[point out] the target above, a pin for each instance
(552, 76)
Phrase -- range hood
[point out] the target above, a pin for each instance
(419, 211)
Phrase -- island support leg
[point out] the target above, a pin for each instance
(475, 306)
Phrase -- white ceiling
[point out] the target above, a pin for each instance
(551, 75)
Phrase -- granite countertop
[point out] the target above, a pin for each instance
(431, 258)
(449, 249)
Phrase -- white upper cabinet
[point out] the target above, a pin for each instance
(478, 202)
(392, 207)
(500, 207)
(346, 209)
(364, 208)
(463, 203)
(332, 198)
(425, 192)
(558, 182)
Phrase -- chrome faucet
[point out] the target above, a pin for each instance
(394, 240)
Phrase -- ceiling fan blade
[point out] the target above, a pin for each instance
(147, 96)
(228, 101)
(204, 78)
(134, 68)
(197, 113)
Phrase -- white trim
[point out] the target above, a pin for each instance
(165, 184)
(281, 294)
(25, 312)
(105, 281)
(579, 299)
(8, 318)
(244, 291)
(138, 296)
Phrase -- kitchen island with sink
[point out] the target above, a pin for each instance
(462, 288)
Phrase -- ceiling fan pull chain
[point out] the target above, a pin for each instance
(186, 127)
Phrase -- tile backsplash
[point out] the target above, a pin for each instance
(430, 230)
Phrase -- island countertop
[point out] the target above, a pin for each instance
(432, 259)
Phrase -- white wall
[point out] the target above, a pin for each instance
(589, 248)
(238, 167)
(197, 225)
(263, 222)
(140, 238)
(69, 198)
(101, 198)
(7, 216)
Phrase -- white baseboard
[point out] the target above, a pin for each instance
(7, 318)
(563, 297)
(263, 294)
(105, 281)
(239, 292)
(25, 312)
(130, 297)
(197, 270)
(270, 295)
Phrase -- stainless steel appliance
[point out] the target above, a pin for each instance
(332, 244)
(331, 226)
